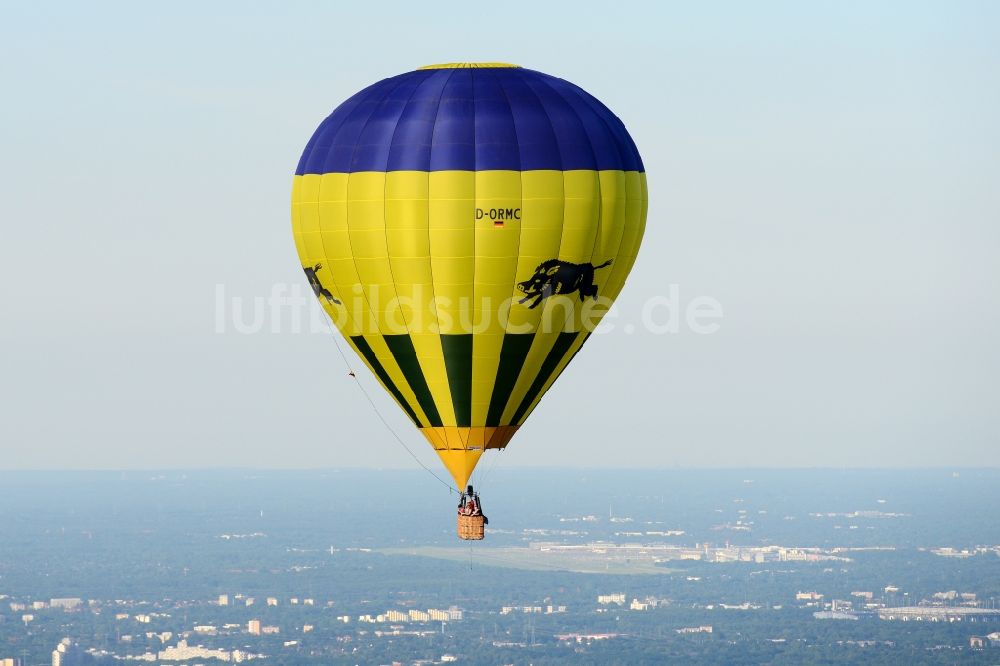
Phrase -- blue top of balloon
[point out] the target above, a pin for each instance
(471, 118)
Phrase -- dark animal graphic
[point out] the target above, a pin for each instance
(559, 277)
(317, 286)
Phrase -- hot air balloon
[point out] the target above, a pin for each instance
(464, 226)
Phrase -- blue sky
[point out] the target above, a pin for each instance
(827, 172)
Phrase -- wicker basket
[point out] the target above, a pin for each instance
(471, 528)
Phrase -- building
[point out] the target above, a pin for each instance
(223, 599)
(68, 603)
(612, 599)
(584, 638)
(989, 640)
(396, 616)
(939, 614)
(704, 629)
(834, 615)
(419, 616)
(59, 655)
(507, 610)
(272, 601)
(808, 596)
(454, 614)
(182, 652)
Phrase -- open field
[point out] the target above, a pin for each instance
(533, 559)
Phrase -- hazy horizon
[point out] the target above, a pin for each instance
(403, 467)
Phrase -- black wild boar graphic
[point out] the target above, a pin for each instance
(559, 277)
(317, 286)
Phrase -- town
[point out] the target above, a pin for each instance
(732, 571)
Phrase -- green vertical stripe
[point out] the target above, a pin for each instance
(373, 362)
(512, 354)
(458, 363)
(559, 349)
(406, 356)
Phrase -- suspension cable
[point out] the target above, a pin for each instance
(481, 483)
(334, 334)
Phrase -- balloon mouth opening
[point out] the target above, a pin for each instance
(471, 65)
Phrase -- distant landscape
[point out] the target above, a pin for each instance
(347, 566)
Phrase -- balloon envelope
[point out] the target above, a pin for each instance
(465, 226)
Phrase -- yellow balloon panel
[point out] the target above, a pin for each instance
(467, 292)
